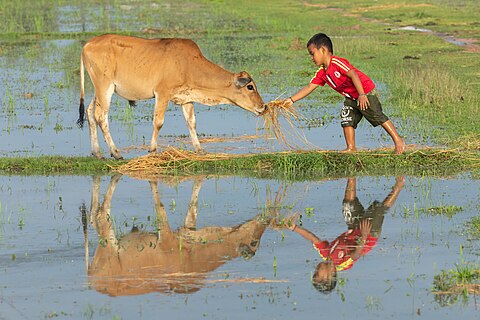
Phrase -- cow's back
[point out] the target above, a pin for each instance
(138, 66)
(134, 50)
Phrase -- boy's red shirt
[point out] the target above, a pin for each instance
(339, 250)
(336, 77)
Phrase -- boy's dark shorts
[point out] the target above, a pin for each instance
(354, 212)
(351, 113)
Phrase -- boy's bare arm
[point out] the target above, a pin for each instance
(302, 93)
(304, 233)
(362, 100)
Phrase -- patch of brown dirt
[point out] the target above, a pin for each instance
(296, 45)
(393, 7)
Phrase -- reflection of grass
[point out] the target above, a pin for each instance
(450, 285)
(473, 227)
(446, 210)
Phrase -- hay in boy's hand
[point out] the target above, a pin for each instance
(271, 117)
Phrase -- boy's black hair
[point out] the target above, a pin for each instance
(321, 40)
(324, 286)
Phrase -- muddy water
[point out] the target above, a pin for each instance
(208, 247)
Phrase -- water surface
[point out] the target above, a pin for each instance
(263, 273)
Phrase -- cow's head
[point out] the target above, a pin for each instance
(246, 94)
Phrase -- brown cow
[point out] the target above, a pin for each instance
(165, 69)
(165, 260)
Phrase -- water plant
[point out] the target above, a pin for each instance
(447, 210)
(458, 283)
(473, 227)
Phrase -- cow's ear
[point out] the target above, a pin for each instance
(241, 82)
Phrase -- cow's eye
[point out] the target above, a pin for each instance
(250, 87)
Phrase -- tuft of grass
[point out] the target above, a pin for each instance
(451, 285)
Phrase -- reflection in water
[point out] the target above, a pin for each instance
(363, 230)
(167, 261)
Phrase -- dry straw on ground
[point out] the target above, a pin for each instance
(290, 136)
(155, 163)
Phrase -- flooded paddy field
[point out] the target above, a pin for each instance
(219, 247)
(98, 247)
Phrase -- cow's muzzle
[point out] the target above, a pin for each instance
(261, 110)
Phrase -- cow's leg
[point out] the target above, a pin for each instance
(191, 218)
(92, 125)
(158, 119)
(189, 114)
(95, 202)
(161, 215)
(103, 222)
(101, 116)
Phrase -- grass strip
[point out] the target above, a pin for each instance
(54, 165)
(283, 165)
(311, 165)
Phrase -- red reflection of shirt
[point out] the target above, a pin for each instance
(340, 249)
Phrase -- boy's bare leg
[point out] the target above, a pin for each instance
(399, 143)
(349, 133)
(351, 189)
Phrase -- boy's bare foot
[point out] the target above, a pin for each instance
(349, 150)
(399, 147)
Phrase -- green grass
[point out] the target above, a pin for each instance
(46, 165)
(449, 286)
(285, 165)
(308, 164)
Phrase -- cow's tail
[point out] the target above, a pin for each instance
(81, 109)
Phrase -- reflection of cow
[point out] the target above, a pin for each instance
(163, 261)
(164, 69)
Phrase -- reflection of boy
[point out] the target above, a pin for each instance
(348, 247)
(364, 227)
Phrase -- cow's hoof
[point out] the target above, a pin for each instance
(201, 152)
(97, 155)
(117, 156)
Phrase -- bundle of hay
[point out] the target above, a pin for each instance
(291, 137)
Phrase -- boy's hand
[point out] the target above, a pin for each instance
(363, 102)
(291, 222)
(365, 228)
(288, 102)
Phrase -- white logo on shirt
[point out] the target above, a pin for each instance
(337, 74)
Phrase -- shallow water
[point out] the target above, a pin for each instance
(44, 260)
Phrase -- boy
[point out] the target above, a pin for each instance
(358, 89)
